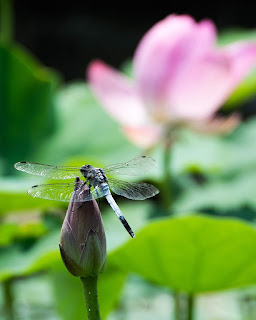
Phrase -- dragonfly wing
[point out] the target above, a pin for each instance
(97, 193)
(133, 190)
(48, 171)
(133, 167)
(60, 192)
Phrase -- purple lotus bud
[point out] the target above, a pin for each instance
(82, 240)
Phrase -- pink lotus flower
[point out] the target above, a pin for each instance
(180, 77)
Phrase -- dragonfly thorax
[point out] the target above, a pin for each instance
(94, 175)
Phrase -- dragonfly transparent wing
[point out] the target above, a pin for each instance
(133, 167)
(97, 193)
(48, 171)
(133, 190)
(60, 192)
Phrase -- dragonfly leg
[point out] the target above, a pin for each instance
(97, 192)
(85, 183)
(89, 185)
(80, 189)
(82, 185)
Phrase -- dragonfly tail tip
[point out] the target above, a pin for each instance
(132, 234)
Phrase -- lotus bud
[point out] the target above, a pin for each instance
(82, 241)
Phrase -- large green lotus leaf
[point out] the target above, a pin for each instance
(232, 194)
(192, 254)
(26, 101)
(110, 284)
(84, 129)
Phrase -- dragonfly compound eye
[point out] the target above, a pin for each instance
(85, 169)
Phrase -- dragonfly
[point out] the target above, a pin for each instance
(98, 181)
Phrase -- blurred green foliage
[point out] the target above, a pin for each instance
(26, 100)
(44, 120)
(226, 166)
(217, 156)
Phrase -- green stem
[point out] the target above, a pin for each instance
(8, 299)
(184, 306)
(167, 179)
(6, 21)
(91, 297)
(190, 307)
(177, 306)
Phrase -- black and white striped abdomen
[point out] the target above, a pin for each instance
(105, 190)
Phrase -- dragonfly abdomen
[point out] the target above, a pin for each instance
(105, 189)
(119, 214)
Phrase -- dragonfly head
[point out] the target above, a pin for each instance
(85, 169)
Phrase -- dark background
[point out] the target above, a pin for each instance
(67, 37)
